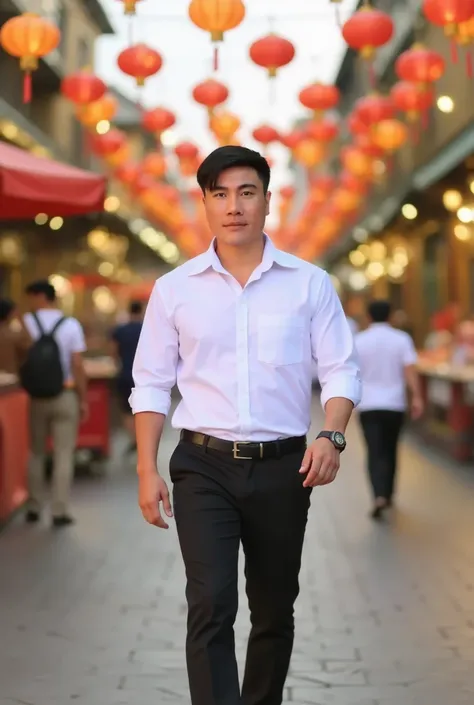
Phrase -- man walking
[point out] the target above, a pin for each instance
(238, 328)
(388, 366)
(55, 378)
(124, 341)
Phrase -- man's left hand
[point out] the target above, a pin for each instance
(320, 463)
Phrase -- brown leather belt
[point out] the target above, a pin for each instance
(246, 450)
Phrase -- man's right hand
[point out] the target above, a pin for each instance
(152, 490)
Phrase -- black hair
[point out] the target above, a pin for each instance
(42, 286)
(7, 306)
(379, 311)
(228, 157)
(135, 308)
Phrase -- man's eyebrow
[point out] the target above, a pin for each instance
(226, 188)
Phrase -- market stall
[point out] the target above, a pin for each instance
(448, 423)
(14, 446)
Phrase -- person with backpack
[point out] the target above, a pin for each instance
(54, 377)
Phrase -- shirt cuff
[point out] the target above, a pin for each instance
(343, 386)
(150, 399)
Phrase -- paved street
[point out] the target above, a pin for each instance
(95, 614)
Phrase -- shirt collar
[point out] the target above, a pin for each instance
(271, 255)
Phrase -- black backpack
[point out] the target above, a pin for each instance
(42, 375)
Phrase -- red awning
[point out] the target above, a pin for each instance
(30, 185)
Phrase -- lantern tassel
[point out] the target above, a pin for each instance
(216, 57)
(27, 88)
(454, 52)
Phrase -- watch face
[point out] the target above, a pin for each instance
(339, 439)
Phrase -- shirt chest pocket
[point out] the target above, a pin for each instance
(280, 339)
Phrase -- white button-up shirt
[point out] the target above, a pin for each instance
(384, 352)
(242, 357)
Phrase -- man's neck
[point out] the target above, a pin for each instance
(241, 259)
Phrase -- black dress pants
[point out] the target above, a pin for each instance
(220, 502)
(382, 432)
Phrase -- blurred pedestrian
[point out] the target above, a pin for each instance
(124, 341)
(388, 366)
(14, 338)
(238, 328)
(55, 379)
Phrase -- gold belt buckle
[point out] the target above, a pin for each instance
(236, 450)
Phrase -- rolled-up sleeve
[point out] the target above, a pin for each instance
(156, 359)
(332, 344)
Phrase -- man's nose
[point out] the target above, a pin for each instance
(234, 205)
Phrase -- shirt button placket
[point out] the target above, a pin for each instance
(243, 393)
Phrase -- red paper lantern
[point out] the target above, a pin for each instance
(319, 97)
(322, 130)
(108, 144)
(448, 13)
(158, 120)
(82, 87)
(140, 62)
(265, 134)
(355, 125)
(412, 99)
(367, 30)
(420, 65)
(349, 182)
(293, 138)
(127, 173)
(373, 108)
(321, 187)
(210, 93)
(287, 192)
(272, 52)
(186, 151)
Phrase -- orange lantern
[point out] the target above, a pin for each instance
(345, 200)
(100, 110)
(216, 17)
(412, 99)
(210, 93)
(130, 6)
(357, 162)
(465, 32)
(154, 164)
(29, 38)
(272, 52)
(367, 30)
(319, 97)
(158, 120)
(224, 125)
(309, 153)
(140, 62)
(420, 65)
(390, 135)
(82, 87)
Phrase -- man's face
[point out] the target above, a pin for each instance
(236, 209)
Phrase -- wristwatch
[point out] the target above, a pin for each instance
(336, 437)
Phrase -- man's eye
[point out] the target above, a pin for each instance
(218, 195)
(247, 193)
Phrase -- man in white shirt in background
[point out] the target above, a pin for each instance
(388, 366)
(237, 328)
(57, 417)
